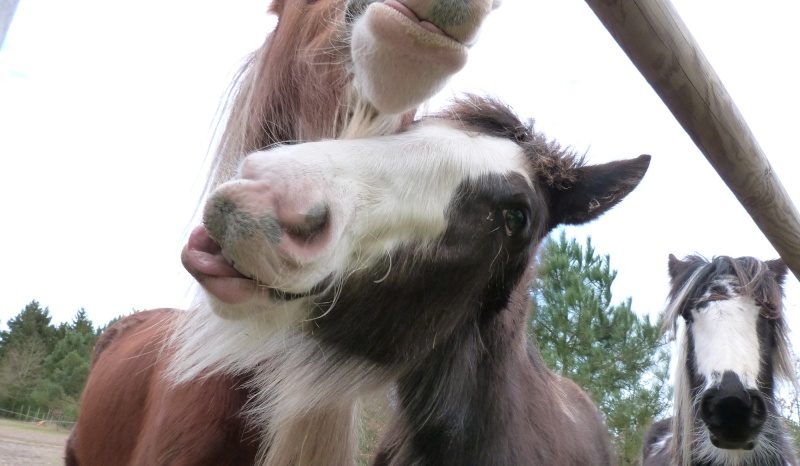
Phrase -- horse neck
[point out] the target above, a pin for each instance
(472, 399)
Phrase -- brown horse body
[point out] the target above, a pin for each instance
(140, 418)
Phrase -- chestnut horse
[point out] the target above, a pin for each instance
(728, 317)
(334, 268)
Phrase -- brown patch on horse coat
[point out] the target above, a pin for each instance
(128, 403)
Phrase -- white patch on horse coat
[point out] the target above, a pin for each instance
(661, 444)
(305, 396)
(725, 339)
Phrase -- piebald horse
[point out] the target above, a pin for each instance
(332, 269)
(732, 348)
(404, 258)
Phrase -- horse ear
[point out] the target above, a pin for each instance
(675, 266)
(780, 270)
(276, 7)
(595, 190)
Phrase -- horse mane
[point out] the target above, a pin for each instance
(303, 73)
(756, 280)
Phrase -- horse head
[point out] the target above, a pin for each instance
(728, 313)
(446, 214)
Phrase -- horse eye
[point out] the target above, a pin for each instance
(516, 220)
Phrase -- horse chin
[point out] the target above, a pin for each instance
(284, 296)
(413, 59)
(727, 444)
(264, 302)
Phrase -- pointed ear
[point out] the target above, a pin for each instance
(779, 269)
(675, 266)
(595, 190)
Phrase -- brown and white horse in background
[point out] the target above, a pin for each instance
(330, 69)
(727, 315)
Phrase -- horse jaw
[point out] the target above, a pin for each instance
(403, 53)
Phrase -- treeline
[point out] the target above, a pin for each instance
(43, 366)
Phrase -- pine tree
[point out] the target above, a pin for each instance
(81, 323)
(618, 357)
(67, 366)
(32, 322)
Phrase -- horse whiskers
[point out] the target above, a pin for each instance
(767, 452)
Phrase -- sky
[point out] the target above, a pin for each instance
(107, 112)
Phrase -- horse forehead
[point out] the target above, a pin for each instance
(726, 338)
(732, 309)
(429, 150)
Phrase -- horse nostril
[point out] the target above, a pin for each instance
(314, 222)
(726, 408)
(709, 409)
(758, 408)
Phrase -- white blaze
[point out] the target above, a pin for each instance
(726, 339)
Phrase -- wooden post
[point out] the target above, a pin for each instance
(658, 43)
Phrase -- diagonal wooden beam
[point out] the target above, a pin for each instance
(659, 44)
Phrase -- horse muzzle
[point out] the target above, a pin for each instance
(733, 414)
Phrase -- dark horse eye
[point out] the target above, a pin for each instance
(516, 220)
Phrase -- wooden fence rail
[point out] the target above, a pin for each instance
(38, 416)
(659, 44)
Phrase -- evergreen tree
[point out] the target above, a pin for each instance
(21, 371)
(67, 366)
(617, 356)
(44, 366)
(82, 324)
(23, 349)
(32, 322)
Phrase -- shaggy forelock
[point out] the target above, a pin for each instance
(753, 280)
(553, 165)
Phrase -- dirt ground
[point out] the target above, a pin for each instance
(25, 444)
